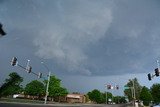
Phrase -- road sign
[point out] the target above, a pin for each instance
(126, 87)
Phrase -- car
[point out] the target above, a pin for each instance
(18, 96)
(155, 105)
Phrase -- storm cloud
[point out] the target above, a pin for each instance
(84, 37)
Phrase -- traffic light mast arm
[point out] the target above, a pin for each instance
(27, 70)
(150, 76)
(153, 75)
(21, 66)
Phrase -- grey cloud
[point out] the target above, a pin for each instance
(66, 39)
(87, 37)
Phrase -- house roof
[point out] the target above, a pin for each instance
(74, 95)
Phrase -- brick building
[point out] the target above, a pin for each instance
(75, 98)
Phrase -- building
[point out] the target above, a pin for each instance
(75, 98)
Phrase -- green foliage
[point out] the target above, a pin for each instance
(145, 96)
(35, 88)
(98, 97)
(59, 91)
(155, 91)
(95, 96)
(129, 92)
(103, 97)
(109, 96)
(11, 85)
(122, 99)
(87, 98)
(119, 99)
(55, 89)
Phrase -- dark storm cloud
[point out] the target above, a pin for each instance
(86, 37)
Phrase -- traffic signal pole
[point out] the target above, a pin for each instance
(158, 64)
(47, 88)
(28, 68)
(49, 74)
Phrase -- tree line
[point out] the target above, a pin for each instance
(12, 85)
(103, 97)
(37, 89)
(143, 93)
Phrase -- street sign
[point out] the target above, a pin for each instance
(126, 87)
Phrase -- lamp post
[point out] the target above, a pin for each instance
(106, 86)
(49, 73)
(134, 95)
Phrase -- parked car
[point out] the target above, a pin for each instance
(18, 96)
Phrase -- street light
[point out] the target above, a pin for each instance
(49, 73)
(134, 95)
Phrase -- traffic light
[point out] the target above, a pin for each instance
(108, 86)
(156, 72)
(29, 69)
(149, 77)
(14, 61)
(1, 30)
(117, 87)
(39, 75)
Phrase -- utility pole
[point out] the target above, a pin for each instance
(106, 98)
(106, 86)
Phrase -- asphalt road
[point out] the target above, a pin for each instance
(56, 105)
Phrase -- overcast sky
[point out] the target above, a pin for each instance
(86, 43)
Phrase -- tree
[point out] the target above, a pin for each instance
(155, 92)
(55, 89)
(99, 97)
(35, 88)
(145, 96)
(109, 96)
(11, 85)
(119, 99)
(103, 97)
(122, 99)
(129, 92)
(95, 96)
(87, 98)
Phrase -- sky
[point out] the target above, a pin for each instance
(85, 43)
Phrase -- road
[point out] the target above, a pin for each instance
(56, 105)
